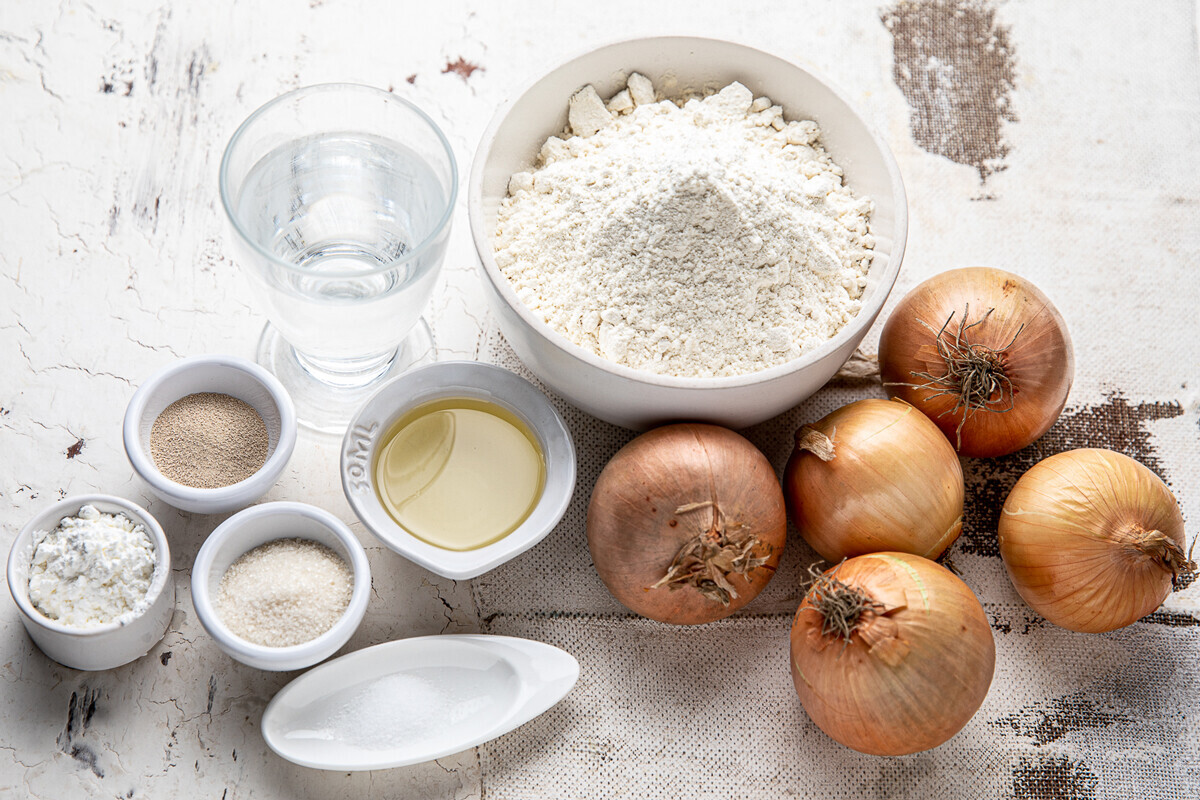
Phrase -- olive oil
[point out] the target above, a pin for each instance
(459, 473)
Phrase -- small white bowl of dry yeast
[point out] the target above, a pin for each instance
(235, 380)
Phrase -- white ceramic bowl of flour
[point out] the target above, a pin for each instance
(101, 646)
(640, 399)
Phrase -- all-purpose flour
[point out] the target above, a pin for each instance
(709, 239)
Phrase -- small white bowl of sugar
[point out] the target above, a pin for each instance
(91, 576)
(210, 433)
(281, 586)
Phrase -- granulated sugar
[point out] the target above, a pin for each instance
(284, 592)
(709, 239)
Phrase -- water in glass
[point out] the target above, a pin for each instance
(335, 206)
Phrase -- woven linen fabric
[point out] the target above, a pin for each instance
(709, 711)
(1024, 146)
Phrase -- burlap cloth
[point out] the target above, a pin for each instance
(1061, 163)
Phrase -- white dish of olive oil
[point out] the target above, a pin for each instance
(458, 466)
(414, 700)
(459, 473)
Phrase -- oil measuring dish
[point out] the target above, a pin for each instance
(458, 466)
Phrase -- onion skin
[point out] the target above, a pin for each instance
(894, 483)
(1040, 362)
(635, 533)
(1069, 536)
(910, 677)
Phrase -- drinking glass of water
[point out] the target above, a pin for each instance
(340, 198)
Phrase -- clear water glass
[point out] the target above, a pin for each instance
(339, 198)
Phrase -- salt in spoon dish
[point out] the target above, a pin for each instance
(414, 700)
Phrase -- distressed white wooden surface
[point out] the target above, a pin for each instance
(114, 261)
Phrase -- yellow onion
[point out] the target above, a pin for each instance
(686, 523)
(874, 475)
(891, 653)
(984, 354)
(1092, 540)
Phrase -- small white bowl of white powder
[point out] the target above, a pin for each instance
(281, 586)
(685, 228)
(91, 576)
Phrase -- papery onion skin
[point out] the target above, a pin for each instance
(635, 528)
(1039, 359)
(924, 674)
(1068, 536)
(894, 483)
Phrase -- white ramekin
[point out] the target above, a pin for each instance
(258, 525)
(104, 646)
(468, 379)
(229, 375)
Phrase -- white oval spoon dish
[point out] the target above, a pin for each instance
(414, 700)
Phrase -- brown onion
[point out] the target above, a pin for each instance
(1092, 540)
(891, 653)
(984, 354)
(686, 523)
(874, 475)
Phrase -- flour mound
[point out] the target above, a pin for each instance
(706, 239)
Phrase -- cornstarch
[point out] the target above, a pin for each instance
(92, 569)
(706, 239)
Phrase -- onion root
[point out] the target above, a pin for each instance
(841, 606)
(707, 561)
(1166, 553)
(975, 373)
